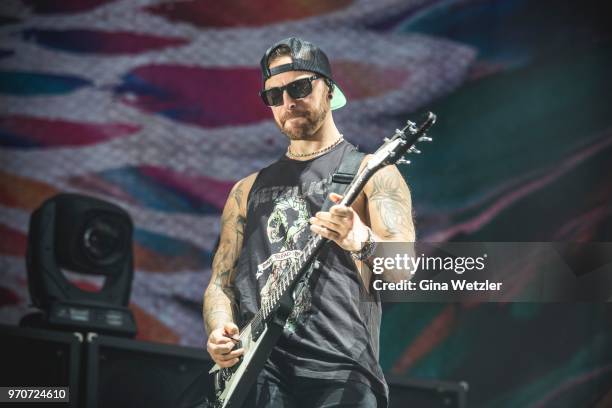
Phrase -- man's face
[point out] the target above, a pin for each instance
(299, 119)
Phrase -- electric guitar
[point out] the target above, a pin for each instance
(258, 337)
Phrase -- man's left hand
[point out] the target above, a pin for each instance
(341, 224)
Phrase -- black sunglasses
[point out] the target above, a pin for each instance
(297, 89)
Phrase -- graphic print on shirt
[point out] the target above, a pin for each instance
(287, 231)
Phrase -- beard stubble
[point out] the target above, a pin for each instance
(312, 121)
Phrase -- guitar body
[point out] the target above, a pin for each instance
(232, 385)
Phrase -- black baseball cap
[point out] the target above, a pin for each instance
(305, 56)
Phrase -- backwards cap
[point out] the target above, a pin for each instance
(305, 56)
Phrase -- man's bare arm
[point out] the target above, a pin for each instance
(219, 295)
(390, 205)
(390, 212)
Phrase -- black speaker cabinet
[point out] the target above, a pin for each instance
(35, 357)
(408, 392)
(113, 372)
(130, 373)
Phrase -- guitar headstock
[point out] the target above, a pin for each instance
(402, 142)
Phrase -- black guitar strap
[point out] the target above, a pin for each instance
(344, 175)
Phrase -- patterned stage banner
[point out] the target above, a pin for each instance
(153, 105)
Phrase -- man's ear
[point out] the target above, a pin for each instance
(330, 85)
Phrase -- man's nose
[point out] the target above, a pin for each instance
(288, 101)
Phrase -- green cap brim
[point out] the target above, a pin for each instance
(339, 100)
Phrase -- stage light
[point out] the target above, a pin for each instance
(80, 236)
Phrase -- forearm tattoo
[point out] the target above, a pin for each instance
(219, 297)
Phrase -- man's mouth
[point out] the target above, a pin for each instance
(294, 117)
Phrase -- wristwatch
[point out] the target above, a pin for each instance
(366, 251)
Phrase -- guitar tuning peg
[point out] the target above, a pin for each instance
(386, 139)
(399, 132)
(403, 161)
(425, 139)
(412, 127)
(414, 150)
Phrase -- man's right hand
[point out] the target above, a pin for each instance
(221, 343)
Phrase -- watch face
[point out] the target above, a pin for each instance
(366, 250)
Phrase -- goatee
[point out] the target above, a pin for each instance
(312, 121)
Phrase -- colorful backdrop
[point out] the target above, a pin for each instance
(153, 105)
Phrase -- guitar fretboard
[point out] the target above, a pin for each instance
(286, 280)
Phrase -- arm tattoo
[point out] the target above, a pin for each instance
(219, 299)
(391, 198)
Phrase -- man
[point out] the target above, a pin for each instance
(328, 353)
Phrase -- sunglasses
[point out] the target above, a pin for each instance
(296, 89)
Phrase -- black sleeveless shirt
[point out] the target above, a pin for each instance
(333, 331)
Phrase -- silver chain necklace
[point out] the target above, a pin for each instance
(325, 149)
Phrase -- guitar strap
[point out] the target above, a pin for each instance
(344, 175)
